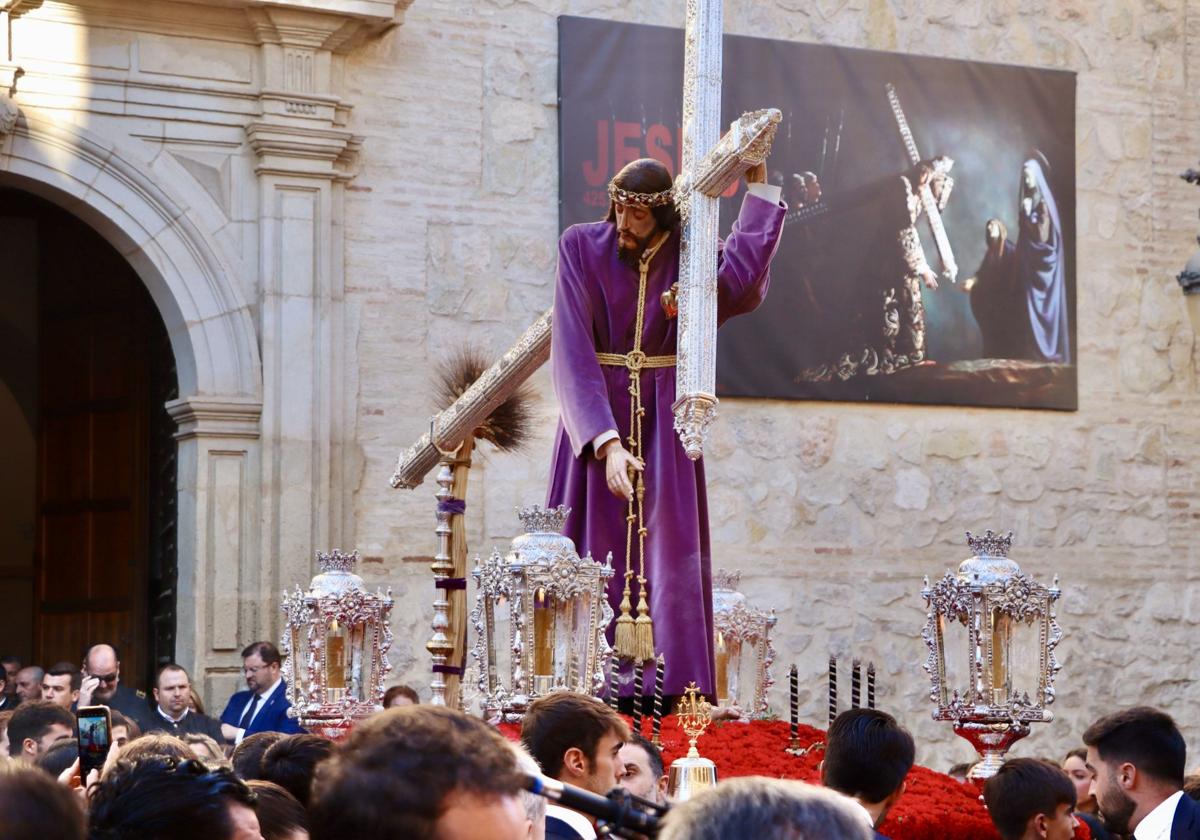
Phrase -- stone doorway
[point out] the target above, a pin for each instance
(94, 558)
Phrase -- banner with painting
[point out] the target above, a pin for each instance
(929, 249)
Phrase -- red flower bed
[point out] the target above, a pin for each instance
(934, 807)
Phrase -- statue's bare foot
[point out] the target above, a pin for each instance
(726, 713)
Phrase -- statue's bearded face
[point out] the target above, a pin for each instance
(636, 227)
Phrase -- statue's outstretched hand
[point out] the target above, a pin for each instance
(619, 466)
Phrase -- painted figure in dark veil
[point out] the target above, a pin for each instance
(994, 299)
(1040, 270)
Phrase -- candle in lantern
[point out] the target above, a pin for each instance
(722, 670)
(1001, 637)
(871, 685)
(543, 635)
(335, 657)
(656, 726)
(833, 704)
(855, 684)
(794, 696)
(637, 696)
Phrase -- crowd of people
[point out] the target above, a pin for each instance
(421, 771)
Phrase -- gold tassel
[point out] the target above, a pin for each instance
(625, 643)
(644, 627)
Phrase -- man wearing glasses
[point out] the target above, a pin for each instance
(101, 686)
(263, 706)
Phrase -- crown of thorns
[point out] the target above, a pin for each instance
(640, 199)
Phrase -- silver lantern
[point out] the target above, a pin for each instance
(991, 632)
(540, 617)
(743, 650)
(335, 646)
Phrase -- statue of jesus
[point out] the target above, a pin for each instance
(618, 463)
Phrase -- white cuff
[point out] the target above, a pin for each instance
(767, 192)
(603, 438)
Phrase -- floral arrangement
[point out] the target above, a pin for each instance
(934, 806)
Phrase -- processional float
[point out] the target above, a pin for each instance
(710, 165)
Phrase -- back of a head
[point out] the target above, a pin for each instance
(867, 755)
(280, 815)
(247, 756)
(34, 806)
(561, 720)
(162, 798)
(1145, 737)
(292, 761)
(765, 809)
(59, 757)
(33, 720)
(157, 745)
(1023, 788)
(391, 778)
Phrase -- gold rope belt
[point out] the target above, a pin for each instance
(635, 361)
(635, 637)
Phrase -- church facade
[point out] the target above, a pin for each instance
(315, 201)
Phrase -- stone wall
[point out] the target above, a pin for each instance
(450, 232)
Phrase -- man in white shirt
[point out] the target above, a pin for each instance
(577, 740)
(1137, 757)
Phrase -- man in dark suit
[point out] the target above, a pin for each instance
(867, 757)
(1031, 799)
(263, 706)
(577, 740)
(172, 691)
(1137, 757)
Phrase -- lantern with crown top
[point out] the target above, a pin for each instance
(743, 649)
(539, 619)
(991, 632)
(335, 645)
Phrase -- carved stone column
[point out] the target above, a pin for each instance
(304, 156)
(218, 515)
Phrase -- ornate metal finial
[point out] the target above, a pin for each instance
(535, 520)
(336, 561)
(723, 579)
(990, 544)
(695, 714)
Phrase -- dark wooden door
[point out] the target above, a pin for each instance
(98, 338)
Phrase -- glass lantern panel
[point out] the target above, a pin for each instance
(577, 624)
(728, 655)
(546, 633)
(500, 642)
(337, 661)
(957, 657)
(1026, 661)
(359, 661)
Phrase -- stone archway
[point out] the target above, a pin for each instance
(156, 217)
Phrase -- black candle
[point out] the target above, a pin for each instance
(855, 684)
(833, 703)
(871, 685)
(656, 724)
(794, 727)
(637, 697)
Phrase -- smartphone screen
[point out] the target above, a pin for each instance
(94, 730)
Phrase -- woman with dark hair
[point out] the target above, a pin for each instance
(1086, 808)
(994, 301)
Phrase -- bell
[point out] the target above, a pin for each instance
(688, 776)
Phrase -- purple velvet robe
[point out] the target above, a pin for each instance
(595, 305)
